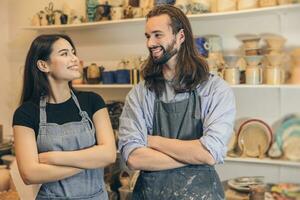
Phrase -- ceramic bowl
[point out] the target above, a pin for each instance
(231, 60)
(253, 60)
(274, 60)
(247, 36)
(274, 41)
(247, 4)
(254, 137)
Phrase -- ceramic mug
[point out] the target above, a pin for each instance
(253, 75)
(226, 5)
(274, 75)
(201, 43)
(247, 4)
(295, 75)
(183, 5)
(232, 75)
(137, 12)
(200, 6)
(214, 43)
(117, 13)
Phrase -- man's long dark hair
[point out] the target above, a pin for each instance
(35, 82)
(191, 68)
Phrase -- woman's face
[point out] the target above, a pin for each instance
(63, 63)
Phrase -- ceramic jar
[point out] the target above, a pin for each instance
(247, 4)
(5, 178)
(232, 75)
(226, 5)
(274, 75)
(267, 3)
(254, 75)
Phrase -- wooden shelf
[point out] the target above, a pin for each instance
(129, 86)
(198, 17)
(283, 86)
(103, 86)
(267, 161)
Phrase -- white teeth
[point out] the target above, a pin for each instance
(74, 67)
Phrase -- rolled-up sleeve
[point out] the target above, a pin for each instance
(218, 122)
(132, 129)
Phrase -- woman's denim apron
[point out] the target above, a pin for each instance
(71, 136)
(181, 120)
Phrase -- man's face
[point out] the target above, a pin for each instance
(161, 41)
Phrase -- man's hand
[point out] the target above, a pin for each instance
(153, 140)
(47, 157)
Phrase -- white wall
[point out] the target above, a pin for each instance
(5, 71)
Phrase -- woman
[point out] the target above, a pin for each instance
(63, 138)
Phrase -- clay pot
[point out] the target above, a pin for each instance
(5, 178)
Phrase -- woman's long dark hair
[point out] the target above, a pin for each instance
(35, 82)
(191, 68)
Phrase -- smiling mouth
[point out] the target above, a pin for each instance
(156, 51)
(74, 67)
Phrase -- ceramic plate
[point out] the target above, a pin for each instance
(290, 127)
(291, 148)
(254, 135)
(243, 183)
(244, 37)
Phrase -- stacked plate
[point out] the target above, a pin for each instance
(288, 138)
(243, 184)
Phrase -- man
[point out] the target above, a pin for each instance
(175, 125)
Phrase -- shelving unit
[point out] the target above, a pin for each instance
(267, 161)
(103, 86)
(268, 102)
(129, 86)
(281, 9)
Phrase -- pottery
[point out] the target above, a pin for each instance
(226, 5)
(267, 3)
(231, 60)
(275, 60)
(183, 5)
(254, 137)
(291, 148)
(295, 57)
(5, 178)
(284, 2)
(117, 13)
(252, 52)
(253, 60)
(254, 75)
(290, 127)
(295, 75)
(214, 43)
(274, 75)
(232, 75)
(273, 41)
(200, 6)
(247, 4)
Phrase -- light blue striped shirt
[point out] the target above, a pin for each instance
(217, 111)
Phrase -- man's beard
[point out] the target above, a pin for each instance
(167, 54)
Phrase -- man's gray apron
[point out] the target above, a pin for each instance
(71, 136)
(181, 120)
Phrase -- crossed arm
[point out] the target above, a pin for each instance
(56, 165)
(164, 153)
